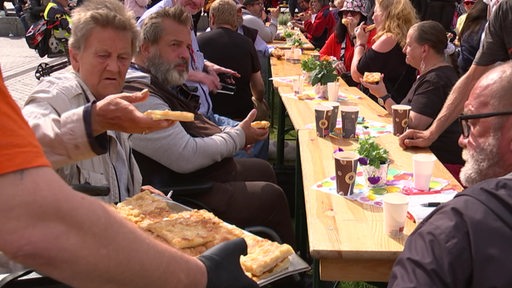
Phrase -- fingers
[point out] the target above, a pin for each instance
(251, 116)
(413, 138)
(240, 245)
(402, 138)
(234, 73)
(150, 125)
(151, 189)
(222, 70)
(133, 97)
(213, 82)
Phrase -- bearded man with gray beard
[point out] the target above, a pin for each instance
(466, 242)
(244, 191)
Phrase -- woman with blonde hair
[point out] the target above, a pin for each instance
(392, 19)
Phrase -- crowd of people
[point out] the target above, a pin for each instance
(86, 126)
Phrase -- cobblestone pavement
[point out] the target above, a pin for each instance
(18, 63)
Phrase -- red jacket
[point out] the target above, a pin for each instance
(333, 48)
(323, 26)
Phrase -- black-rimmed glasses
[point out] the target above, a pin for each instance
(465, 128)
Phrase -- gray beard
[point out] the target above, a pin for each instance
(482, 164)
(164, 71)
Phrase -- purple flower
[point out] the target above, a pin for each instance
(374, 179)
(363, 160)
(338, 150)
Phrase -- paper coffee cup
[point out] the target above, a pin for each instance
(334, 115)
(349, 120)
(345, 164)
(400, 118)
(322, 120)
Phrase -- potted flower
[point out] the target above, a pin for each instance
(308, 66)
(323, 73)
(297, 42)
(374, 161)
(288, 35)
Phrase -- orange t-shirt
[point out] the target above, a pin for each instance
(19, 148)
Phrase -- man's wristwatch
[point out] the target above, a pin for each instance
(382, 100)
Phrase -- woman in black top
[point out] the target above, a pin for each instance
(426, 42)
(392, 19)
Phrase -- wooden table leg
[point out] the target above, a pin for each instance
(280, 134)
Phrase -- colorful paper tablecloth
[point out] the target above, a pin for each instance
(397, 182)
(365, 128)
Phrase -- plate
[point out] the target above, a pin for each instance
(297, 265)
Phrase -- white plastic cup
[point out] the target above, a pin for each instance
(332, 91)
(298, 84)
(297, 53)
(395, 212)
(423, 165)
(288, 54)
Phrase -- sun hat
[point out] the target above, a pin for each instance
(354, 5)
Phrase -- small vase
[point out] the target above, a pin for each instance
(307, 77)
(375, 177)
(321, 91)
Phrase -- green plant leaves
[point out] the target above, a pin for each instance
(371, 150)
(323, 73)
(309, 64)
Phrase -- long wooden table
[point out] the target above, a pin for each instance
(345, 236)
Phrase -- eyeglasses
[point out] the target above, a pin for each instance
(351, 13)
(469, 3)
(464, 120)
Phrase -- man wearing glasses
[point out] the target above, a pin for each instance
(496, 47)
(466, 242)
(252, 15)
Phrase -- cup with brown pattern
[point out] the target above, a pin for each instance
(322, 119)
(345, 163)
(349, 120)
(400, 114)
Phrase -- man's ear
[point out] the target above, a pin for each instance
(145, 49)
(212, 21)
(74, 57)
(425, 49)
